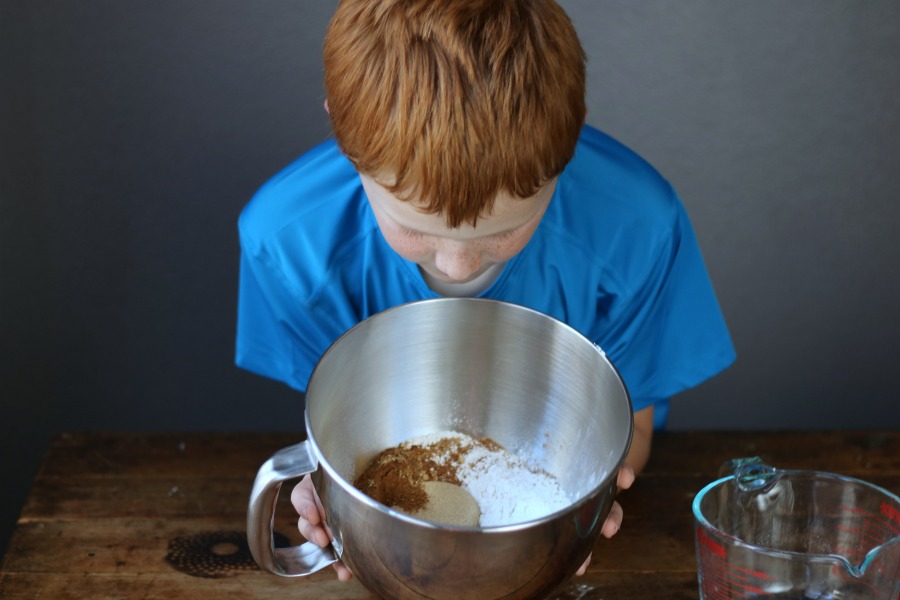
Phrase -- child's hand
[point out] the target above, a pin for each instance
(613, 521)
(313, 527)
(312, 520)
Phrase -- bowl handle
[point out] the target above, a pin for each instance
(288, 463)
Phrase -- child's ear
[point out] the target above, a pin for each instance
(326, 106)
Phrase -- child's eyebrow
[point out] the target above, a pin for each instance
(410, 231)
(499, 235)
(505, 234)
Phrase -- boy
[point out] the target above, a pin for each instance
(461, 166)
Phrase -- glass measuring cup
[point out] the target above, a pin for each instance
(804, 535)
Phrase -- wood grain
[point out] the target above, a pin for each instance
(108, 511)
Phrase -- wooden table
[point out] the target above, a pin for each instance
(162, 516)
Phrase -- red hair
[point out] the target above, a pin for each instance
(451, 102)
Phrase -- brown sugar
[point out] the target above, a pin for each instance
(505, 488)
(395, 477)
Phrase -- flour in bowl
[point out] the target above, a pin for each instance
(508, 489)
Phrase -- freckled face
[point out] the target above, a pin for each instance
(462, 254)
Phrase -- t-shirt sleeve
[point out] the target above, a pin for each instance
(278, 334)
(670, 334)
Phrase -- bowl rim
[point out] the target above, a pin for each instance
(605, 482)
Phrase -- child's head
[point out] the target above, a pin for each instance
(451, 103)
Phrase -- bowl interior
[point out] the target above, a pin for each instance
(479, 367)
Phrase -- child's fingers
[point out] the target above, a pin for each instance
(613, 521)
(306, 503)
(625, 477)
(343, 572)
(313, 533)
(583, 568)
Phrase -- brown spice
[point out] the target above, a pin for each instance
(396, 475)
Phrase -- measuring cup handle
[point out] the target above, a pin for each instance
(288, 463)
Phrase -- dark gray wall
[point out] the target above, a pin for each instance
(133, 132)
(779, 124)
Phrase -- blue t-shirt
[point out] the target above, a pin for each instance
(614, 256)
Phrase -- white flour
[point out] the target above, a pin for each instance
(507, 489)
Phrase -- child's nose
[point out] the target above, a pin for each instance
(457, 262)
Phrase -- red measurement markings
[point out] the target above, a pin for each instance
(726, 581)
(884, 517)
(747, 589)
(890, 512)
(738, 580)
(710, 544)
(719, 585)
(869, 536)
(745, 574)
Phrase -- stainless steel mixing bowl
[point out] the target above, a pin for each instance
(480, 367)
